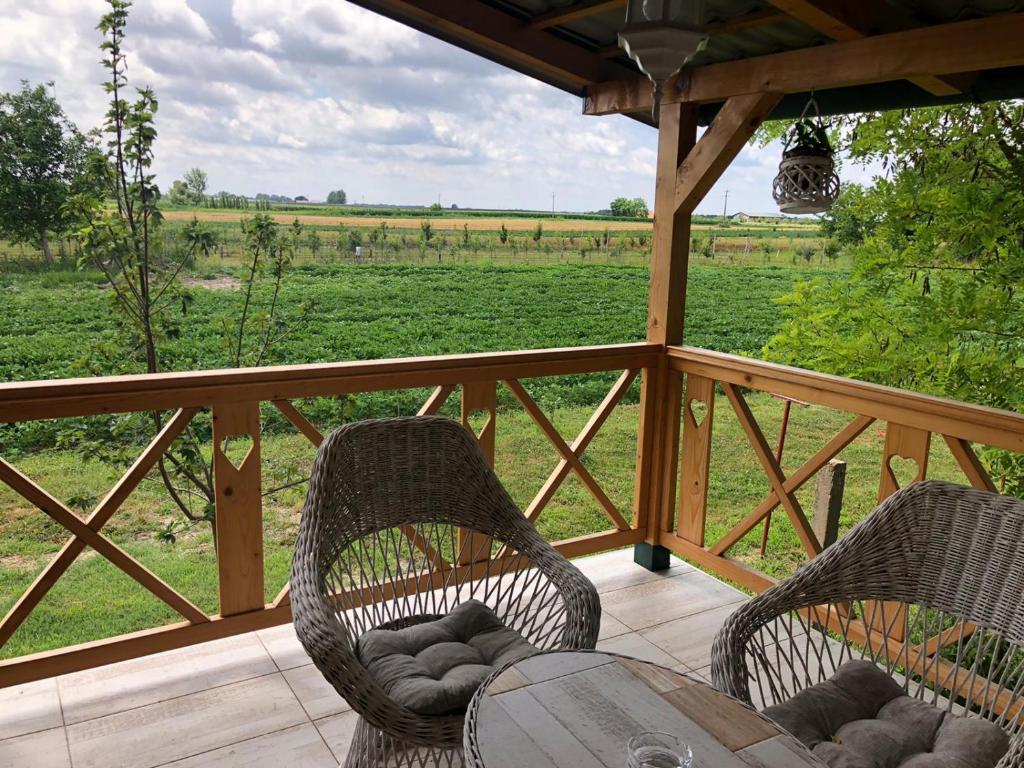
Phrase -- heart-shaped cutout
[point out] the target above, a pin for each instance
(235, 448)
(698, 411)
(906, 470)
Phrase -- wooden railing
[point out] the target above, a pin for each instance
(234, 397)
(911, 421)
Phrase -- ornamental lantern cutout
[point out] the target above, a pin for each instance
(661, 36)
(807, 181)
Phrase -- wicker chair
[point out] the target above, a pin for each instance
(385, 501)
(953, 555)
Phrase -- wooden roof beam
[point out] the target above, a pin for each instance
(843, 21)
(944, 49)
(482, 27)
(728, 133)
(581, 10)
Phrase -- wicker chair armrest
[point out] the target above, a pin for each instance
(322, 634)
(729, 670)
(582, 603)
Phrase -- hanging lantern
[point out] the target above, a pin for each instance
(807, 181)
(661, 36)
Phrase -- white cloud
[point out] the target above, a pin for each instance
(267, 39)
(320, 94)
(170, 18)
(326, 26)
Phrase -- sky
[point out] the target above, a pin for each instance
(328, 95)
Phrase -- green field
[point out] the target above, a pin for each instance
(58, 321)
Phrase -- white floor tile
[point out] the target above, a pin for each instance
(689, 639)
(43, 749)
(656, 602)
(29, 708)
(609, 571)
(186, 726)
(317, 696)
(284, 647)
(338, 731)
(119, 687)
(298, 747)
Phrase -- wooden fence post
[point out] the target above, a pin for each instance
(661, 390)
(239, 502)
(698, 414)
(828, 501)
(907, 443)
(478, 396)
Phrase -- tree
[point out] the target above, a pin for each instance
(934, 301)
(195, 183)
(178, 194)
(337, 197)
(635, 208)
(314, 243)
(42, 162)
(142, 272)
(849, 221)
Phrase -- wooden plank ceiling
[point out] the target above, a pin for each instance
(571, 46)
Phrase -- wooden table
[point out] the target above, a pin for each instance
(575, 709)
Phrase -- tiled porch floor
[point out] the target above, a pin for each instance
(256, 700)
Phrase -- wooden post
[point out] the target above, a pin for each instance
(908, 443)
(239, 501)
(686, 171)
(828, 501)
(698, 414)
(478, 396)
(661, 390)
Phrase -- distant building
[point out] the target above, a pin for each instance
(757, 217)
(301, 199)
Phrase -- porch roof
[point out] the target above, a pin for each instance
(573, 46)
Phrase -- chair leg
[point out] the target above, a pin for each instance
(372, 748)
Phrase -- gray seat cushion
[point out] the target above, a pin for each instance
(434, 668)
(862, 718)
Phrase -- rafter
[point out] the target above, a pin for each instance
(718, 147)
(944, 49)
(574, 12)
(843, 20)
(483, 28)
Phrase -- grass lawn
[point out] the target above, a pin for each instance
(94, 600)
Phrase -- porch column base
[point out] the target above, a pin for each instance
(653, 557)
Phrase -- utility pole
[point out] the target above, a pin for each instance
(552, 202)
(725, 208)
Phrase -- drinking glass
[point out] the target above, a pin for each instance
(656, 749)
